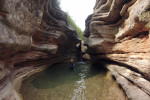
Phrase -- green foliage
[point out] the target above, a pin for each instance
(73, 24)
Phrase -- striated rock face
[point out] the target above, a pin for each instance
(118, 30)
(33, 34)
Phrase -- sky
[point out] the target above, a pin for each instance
(78, 10)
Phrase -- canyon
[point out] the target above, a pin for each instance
(34, 34)
(118, 31)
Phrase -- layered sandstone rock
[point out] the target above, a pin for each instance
(33, 34)
(118, 30)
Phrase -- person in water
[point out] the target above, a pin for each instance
(71, 65)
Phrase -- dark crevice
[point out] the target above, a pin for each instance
(37, 62)
(106, 61)
(143, 34)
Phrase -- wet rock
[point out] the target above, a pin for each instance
(133, 92)
(32, 33)
(83, 47)
(119, 31)
(86, 56)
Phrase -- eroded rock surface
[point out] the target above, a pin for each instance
(33, 34)
(119, 31)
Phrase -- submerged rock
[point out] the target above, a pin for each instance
(119, 31)
(33, 33)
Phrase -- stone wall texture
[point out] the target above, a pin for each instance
(119, 30)
(33, 34)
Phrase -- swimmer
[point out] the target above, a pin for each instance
(71, 65)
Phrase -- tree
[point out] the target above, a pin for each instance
(77, 28)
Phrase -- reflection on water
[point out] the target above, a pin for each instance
(85, 82)
(80, 86)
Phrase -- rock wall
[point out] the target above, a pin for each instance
(33, 34)
(118, 30)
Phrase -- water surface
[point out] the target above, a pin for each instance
(85, 82)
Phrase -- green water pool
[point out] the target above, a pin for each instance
(85, 82)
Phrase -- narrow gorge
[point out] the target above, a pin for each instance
(118, 31)
(35, 35)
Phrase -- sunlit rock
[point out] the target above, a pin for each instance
(33, 34)
(119, 31)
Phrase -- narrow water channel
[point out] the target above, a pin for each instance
(85, 82)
